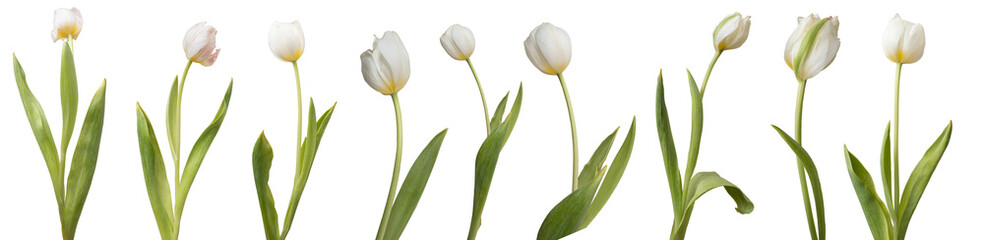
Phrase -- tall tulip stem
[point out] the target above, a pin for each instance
(707, 75)
(895, 154)
(799, 166)
(177, 125)
(396, 169)
(485, 106)
(300, 114)
(570, 111)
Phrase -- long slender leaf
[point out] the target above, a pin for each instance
(154, 174)
(696, 129)
(668, 149)
(488, 158)
(612, 177)
(568, 215)
(198, 152)
(300, 180)
(879, 221)
(84, 159)
(262, 160)
(597, 160)
(916, 185)
(42, 133)
(69, 97)
(173, 122)
(413, 187)
(886, 170)
(811, 169)
(499, 110)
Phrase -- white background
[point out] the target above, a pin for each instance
(618, 50)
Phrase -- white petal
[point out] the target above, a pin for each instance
(391, 51)
(533, 53)
(893, 37)
(554, 45)
(914, 43)
(66, 22)
(824, 50)
(796, 39)
(725, 29)
(286, 40)
(371, 73)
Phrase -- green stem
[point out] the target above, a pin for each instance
(570, 111)
(485, 106)
(707, 75)
(300, 114)
(799, 166)
(396, 169)
(898, 76)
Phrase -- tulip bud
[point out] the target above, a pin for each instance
(199, 44)
(549, 48)
(68, 22)
(812, 46)
(903, 41)
(458, 41)
(286, 40)
(731, 32)
(386, 67)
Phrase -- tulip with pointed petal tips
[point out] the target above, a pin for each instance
(549, 48)
(386, 67)
(199, 44)
(287, 40)
(731, 32)
(459, 42)
(903, 41)
(68, 23)
(812, 46)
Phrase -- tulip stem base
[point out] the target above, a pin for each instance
(485, 106)
(570, 111)
(396, 169)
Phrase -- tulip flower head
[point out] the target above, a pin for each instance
(458, 41)
(286, 40)
(903, 41)
(731, 32)
(199, 44)
(68, 23)
(549, 48)
(386, 67)
(812, 46)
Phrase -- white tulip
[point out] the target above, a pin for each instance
(386, 67)
(68, 22)
(731, 32)
(286, 40)
(199, 44)
(903, 41)
(458, 41)
(813, 46)
(549, 48)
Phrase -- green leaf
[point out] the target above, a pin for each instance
(919, 178)
(668, 149)
(706, 181)
(154, 174)
(198, 152)
(596, 161)
(875, 212)
(613, 176)
(174, 122)
(42, 133)
(488, 157)
(262, 160)
(84, 159)
(413, 186)
(886, 168)
(499, 110)
(568, 215)
(811, 169)
(69, 97)
(308, 150)
(696, 128)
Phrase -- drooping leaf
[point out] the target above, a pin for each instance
(197, 154)
(916, 185)
(696, 128)
(706, 181)
(612, 177)
(173, 118)
(879, 221)
(488, 157)
(568, 215)
(69, 97)
(262, 160)
(42, 133)
(886, 170)
(84, 159)
(668, 149)
(811, 169)
(155, 176)
(412, 188)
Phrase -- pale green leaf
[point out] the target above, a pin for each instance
(488, 157)
(568, 215)
(916, 185)
(69, 96)
(198, 152)
(84, 160)
(173, 121)
(879, 221)
(155, 176)
(42, 133)
(262, 160)
(668, 149)
(612, 177)
(412, 188)
(811, 169)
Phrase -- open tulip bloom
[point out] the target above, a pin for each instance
(549, 49)
(903, 43)
(199, 45)
(70, 198)
(686, 189)
(386, 68)
(287, 43)
(459, 43)
(809, 50)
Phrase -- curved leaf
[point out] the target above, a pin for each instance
(874, 209)
(668, 149)
(919, 178)
(154, 174)
(612, 177)
(42, 133)
(173, 123)
(811, 169)
(413, 187)
(197, 154)
(886, 170)
(568, 215)
(705, 181)
(84, 159)
(262, 160)
(696, 128)
(488, 158)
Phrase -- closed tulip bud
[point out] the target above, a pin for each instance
(286, 40)
(68, 23)
(731, 32)
(903, 41)
(199, 44)
(386, 67)
(549, 48)
(458, 41)
(812, 46)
